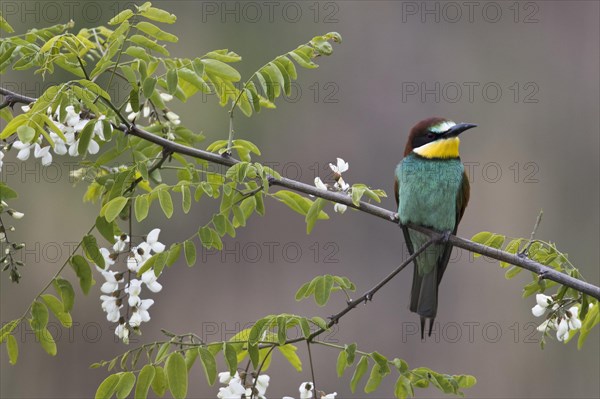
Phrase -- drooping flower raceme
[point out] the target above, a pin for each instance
(123, 288)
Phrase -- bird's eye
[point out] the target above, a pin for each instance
(430, 135)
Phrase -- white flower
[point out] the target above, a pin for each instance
(152, 241)
(111, 284)
(574, 322)
(319, 184)
(78, 127)
(341, 166)
(538, 310)
(24, 150)
(1, 156)
(99, 128)
(72, 118)
(109, 305)
(25, 108)
(262, 383)
(133, 115)
(340, 208)
(149, 278)
(146, 111)
(329, 396)
(141, 314)
(544, 326)
(132, 263)
(122, 332)
(225, 377)
(134, 289)
(543, 301)
(60, 147)
(170, 136)
(71, 142)
(108, 261)
(43, 153)
(234, 390)
(121, 243)
(562, 331)
(173, 117)
(306, 390)
(341, 184)
(93, 148)
(15, 214)
(166, 97)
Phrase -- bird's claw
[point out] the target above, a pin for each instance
(444, 237)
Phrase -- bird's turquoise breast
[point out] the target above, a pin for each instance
(428, 190)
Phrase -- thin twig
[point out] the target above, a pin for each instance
(537, 224)
(523, 253)
(312, 369)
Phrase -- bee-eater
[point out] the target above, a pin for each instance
(432, 190)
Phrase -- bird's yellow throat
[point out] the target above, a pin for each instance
(444, 148)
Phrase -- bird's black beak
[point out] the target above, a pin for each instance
(458, 129)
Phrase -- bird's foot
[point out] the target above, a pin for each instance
(444, 237)
(395, 217)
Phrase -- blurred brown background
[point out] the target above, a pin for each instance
(526, 73)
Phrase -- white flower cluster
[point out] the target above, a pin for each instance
(112, 301)
(71, 125)
(339, 185)
(562, 323)
(235, 388)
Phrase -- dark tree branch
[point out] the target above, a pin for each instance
(225, 160)
(10, 98)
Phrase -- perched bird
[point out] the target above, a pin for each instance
(432, 190)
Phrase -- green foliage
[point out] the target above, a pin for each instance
(546, 254)
(407, 379)
(321, 288)
(177, 375)
(275, 77)
(129, 174)
(312, 210)
(360, 190)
